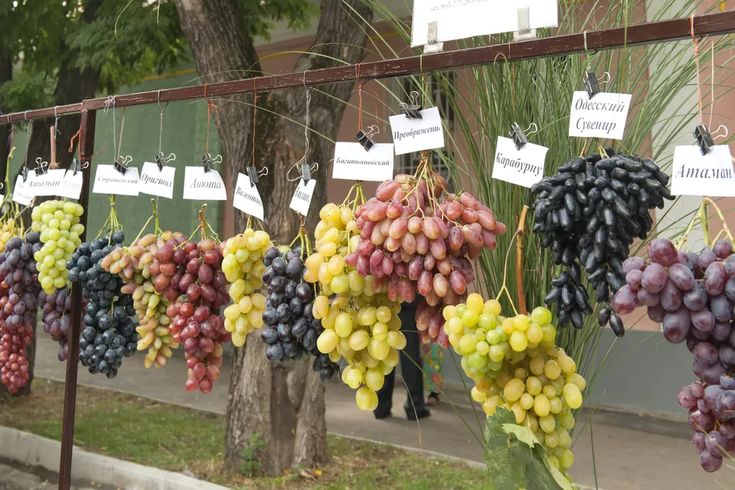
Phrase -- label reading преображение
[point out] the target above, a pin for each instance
(301, 199)
(522, 167)
(155, 182)
(410, 135)
(107, 180)
(602, 116)
(247, 198)
(353, 162)
(694, 174)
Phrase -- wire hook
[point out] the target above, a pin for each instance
(716, 136)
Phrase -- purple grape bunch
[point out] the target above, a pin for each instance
(56, 316)
(693, 296)
(588, 214)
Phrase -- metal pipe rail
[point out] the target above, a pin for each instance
(652, 32)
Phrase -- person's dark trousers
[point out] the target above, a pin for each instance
(410, 370)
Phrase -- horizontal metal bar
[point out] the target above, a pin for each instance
(667, 30)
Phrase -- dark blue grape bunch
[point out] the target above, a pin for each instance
(109, 328)
(290, 330)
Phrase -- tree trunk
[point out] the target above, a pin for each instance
(275, 411)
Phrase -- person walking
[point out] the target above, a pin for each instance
(432, 358)
(411, 371)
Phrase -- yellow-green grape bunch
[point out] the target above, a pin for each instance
(243, 267)
(133, 264)
(516, 365)
(8, 230)
(58, 224)
(361, 325)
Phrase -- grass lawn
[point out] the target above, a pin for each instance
(180, 439)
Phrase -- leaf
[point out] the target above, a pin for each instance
(516, 459)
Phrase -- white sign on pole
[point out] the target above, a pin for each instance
(460, 19)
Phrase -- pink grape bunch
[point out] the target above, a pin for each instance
(692, 295)
(19, 289)
(417, 237)
(196, 322)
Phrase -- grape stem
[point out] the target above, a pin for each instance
(519, 261)
(702, 217)
(504, 288)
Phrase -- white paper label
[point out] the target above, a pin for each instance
(55, 182)
(522, 167)
(302, 196)
(156, 182)
(353, 162)
(203, 186)
(247, 198)
(460, 19)
(70, 184)
(21, 192)
(694, 174)
(602, 116)
(107, 180)
(411, 135)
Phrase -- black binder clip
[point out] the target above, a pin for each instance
(162, 160)
(255, 175)
(209, 162)
(305, 172)
(412, 109)
(519, 137)
(24, 170)
(41, 166)
(121, 164)
(591, 84)
(704, 139)
(365, 136)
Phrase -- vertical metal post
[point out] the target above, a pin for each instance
(86, 145)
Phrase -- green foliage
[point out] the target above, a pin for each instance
(515, 458)
(258, 16)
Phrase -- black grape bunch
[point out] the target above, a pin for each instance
(290, 329)
(588, 214)
(109, 329)
(19, 291)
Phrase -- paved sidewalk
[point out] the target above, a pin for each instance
(630, 452)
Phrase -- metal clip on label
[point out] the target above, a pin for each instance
(121, 164)
(365, 137)
(704, 139)
(519, 137)
(305, 172)
(24, 171)
(432, 39)
(591, 84)
(253, 174)
(41, 166)
(412, 109)
(162, 160)
(524, 25)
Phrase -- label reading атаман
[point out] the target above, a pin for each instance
(694, 174)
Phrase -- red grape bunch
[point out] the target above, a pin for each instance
(19, 290)
(588, 214)
(692, 295)
(195, 315)
(418, 237)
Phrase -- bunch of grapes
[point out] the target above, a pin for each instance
(515, 364)
(358, 322)
(134, 266)
(8, 229)
(56, 318)
(195, 315)
(60, 229)
(243, 267)
(291, 329)
(421, 238)
(18, 304)
(109, 330)
(692, 295)
(588, 214)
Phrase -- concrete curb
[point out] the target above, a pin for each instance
(39, 451)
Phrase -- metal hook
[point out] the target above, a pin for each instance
(606, 78)
(718, 136)
(304, 167)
